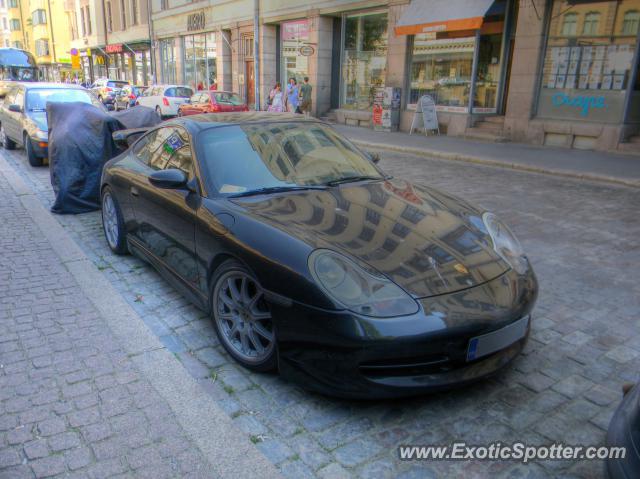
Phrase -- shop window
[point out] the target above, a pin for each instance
(570, 24)
(294, 35)
(631, 22)
(591, 21)
(168, 60)
(441, 69)
(364, 61)
(200, 71)
(587, 76)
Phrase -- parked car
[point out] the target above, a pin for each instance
(624, 431)
(126, 98)
(311, 259)
(23, 115)
(165, 99)
(106, 90)
(212, 102)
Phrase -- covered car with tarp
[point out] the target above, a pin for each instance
(80, 143)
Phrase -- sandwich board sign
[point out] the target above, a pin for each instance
(425, 116)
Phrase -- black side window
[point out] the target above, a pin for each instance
(142, 149)
(173, 152)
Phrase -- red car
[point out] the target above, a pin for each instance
(212, 102)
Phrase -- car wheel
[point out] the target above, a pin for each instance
(31, 155)
(100, 98)
(159, 112)
(7, 143)
(242, 318)
(116, 107)
(128, 105)
(113, 223)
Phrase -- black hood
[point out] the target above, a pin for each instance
(428, 242)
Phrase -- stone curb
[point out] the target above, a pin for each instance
(443, 155)
(228, 450)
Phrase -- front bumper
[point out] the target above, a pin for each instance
(40, 147)
(343, 354)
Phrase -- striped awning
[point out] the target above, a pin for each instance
(424, 16)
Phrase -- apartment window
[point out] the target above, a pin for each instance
(2, 4)
(84, 30)
(14, 25)
(5, 25)
(42, 47)
(569, 24)
(591, 21)
(17, 44)
(123, 14)
(39, 17)
(164, 4)
(134, 12)
(88, 17)
(13, 3)
(631, 22)
(109, 18)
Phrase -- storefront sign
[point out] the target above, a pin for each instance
(114, 48)
(296, 30)
(306, 50)
(195, 21)
(584, 103)
(598, 105)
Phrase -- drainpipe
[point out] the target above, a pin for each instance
(151, 51)
(53, 39)
(106, 38)
(256, 53)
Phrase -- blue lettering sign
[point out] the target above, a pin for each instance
(583, 102)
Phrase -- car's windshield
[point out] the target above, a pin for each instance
(117, 84)
(37, 98)
(228, 99)
(243, 158)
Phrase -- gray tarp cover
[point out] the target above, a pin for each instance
(80, 143)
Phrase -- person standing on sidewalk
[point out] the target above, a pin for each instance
(291, 97)
(305, 97)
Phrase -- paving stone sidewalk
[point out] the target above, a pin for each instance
(71, 402)
(583, 239)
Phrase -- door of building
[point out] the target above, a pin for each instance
(250, 83)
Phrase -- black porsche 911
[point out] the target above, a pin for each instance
(313, 261)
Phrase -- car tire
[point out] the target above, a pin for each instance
(159, 112)
(128, 107)
(113, 222)
(7, 143)
(242, 317)
(34, 160)
(115, 107)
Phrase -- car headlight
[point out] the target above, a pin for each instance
(505, 243)
(359, 289)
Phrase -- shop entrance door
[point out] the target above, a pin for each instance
(250, 83)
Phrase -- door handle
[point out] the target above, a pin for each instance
(134, 191)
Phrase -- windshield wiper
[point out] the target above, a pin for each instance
(277, 189)
(353, 179)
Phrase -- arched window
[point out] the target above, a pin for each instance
(631, 22)
(569, 24)
(591, 21)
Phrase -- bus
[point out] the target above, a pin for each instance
(16, 65)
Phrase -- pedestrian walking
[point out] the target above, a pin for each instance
(305, 98)
(276, 100)
(291, 97)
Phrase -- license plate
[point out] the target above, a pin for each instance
(496, 340)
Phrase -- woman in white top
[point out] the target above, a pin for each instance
(276, 100)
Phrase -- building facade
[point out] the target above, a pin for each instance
(112, 38)
(554, 72)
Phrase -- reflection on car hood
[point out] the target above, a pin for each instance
(426, 241)
(40, 119)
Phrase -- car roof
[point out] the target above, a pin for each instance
(65, 86)
(205, 121)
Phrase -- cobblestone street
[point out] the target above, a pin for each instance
(583, 240)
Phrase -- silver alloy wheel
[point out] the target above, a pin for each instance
(110, 220)
(242, 317)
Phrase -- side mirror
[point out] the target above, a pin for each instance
(125, 138)
(15, 108)
(375, 158)
(171, 179)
